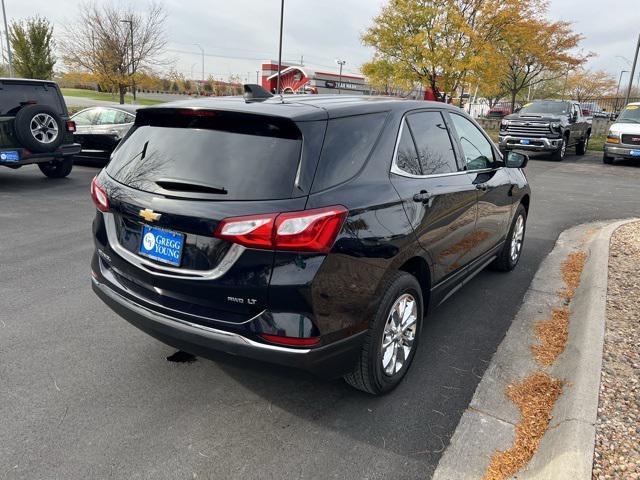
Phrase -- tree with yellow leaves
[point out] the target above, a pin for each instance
(586, 85)
(535, 51)
(438, 43)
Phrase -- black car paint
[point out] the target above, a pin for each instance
(309, 294)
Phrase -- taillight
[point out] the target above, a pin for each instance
(291, 341)
(251, 231)
(99, 195)
(304, 231)
(310, 230)
(71, 126)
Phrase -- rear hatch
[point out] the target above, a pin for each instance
(177, 174)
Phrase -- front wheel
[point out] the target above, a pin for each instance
(607, 159)
(57, 168)
(512, 248)
(392, 338)
(561, 152)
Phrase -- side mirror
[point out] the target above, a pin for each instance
(516, 160)
(574, 117)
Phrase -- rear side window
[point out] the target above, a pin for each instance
(435, 149)
(222, 155)
(14, 95)
(407, 157)
(347, 146)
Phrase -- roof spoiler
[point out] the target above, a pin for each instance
(255, 93)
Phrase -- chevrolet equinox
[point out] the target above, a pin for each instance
(310, 231)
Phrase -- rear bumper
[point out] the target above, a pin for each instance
(621, 151)
(329, 361)
(27, 157)
(538, 144)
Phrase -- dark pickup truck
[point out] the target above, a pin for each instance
(546, 126)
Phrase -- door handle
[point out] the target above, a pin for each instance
(482, 186)
(422, 197)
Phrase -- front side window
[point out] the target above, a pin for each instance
(477, 150)
(435, 150)
(86, 118)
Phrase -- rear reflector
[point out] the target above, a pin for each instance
(291, 341)
(99, 195)
(304, 231)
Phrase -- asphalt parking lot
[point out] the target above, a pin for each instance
(85, 395)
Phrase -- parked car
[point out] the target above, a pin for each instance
(100, 129)
(35, 127)
(312, 231)
(501, 109)
(623, 139)
(592, 109)
(546, 126)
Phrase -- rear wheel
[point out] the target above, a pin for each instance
(512, 249)
(581, 147)
(392, 338)
(607, 159)
(57, 168)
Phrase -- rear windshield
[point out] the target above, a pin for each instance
(14, 95)
(557, 108)
(218, 155)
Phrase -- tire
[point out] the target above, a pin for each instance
(39, 128)
(57, 168)
(507, 259)
(559, 154)
(581, 147)
(370, 374)
(607, 159)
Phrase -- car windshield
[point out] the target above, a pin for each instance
(557, 108)
(631, 114)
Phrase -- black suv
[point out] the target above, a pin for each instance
(549, 126)
(308, 231)
(35, 127)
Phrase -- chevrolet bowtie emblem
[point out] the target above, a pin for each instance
(149, 215)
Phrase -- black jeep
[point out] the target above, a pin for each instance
(35, 127)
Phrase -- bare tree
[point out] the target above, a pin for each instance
(115, 42)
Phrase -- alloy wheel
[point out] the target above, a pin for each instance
(399, 334)
(44, 128)
(517, 239)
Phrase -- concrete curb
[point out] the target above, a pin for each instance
(566, 449)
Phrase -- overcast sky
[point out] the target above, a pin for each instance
(247, 30)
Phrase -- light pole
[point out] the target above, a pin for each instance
(280, 46)
(133, 82)
(633, 71)
(202, 52)
(622, 72)
(6, 32)
(341, 63)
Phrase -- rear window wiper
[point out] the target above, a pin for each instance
(189, 186)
